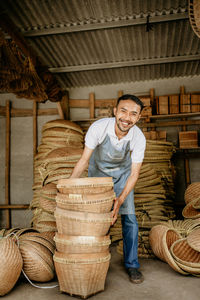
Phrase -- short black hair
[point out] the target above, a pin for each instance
(131, 97)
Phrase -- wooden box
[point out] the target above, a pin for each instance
(185, 103)
(174, 104)
(188, 139)
(195, 103)
(163, 105)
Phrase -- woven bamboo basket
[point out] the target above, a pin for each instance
(81, 244)
(82, 274)
(47, 205)
(190, 212)
(193, 239)
(99, 203)
(91, 185)
(196, 203)
(10, 264)
(184, 254)
(37, 262)
(62, 124)
(192, 192)
(82, 223)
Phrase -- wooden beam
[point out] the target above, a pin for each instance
(106, 24)
(7, 165)
(20, 112)
(60, 110)
(35, 137)
(91, 101)
(65, 105)
(171, 123)
(129, 63)
(17, 206)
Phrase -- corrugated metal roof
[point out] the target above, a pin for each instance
(91, 42)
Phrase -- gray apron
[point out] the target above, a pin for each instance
(106, 161)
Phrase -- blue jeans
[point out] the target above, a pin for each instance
(130, 240)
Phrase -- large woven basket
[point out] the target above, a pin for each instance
(91, 185)
(184, 254)
(37, 261)
(10, 264)
(192, 192)
(99, 203)
(81, 244)
(81, 274)
(82, 223)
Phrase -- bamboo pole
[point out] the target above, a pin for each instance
(7, 166)
(91, 102)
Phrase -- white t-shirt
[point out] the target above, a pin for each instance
(99, 129)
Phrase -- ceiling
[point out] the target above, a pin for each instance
(95, 42)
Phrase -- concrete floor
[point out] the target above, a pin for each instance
(161, 283)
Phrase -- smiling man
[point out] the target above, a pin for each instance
(114, 147)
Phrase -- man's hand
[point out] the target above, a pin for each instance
(118, 202)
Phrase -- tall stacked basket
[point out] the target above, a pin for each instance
(83, 218)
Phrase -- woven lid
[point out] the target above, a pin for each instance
(62, 153)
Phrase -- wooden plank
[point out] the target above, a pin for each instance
(195, 103)
(185, 103)
(20, 112)
(163, 105)
(84, 103)
(173, 104)
(172, 123)
(175, 116)
(35, 136)
(60, 110)
(65, 105)
(17, 206)
(91, 101)
(7, 165)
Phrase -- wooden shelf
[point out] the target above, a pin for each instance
(171, 116)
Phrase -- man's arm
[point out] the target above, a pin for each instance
(130, 183)
(82, 164)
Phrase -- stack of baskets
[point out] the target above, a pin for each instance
(83, 218)
(60, 149)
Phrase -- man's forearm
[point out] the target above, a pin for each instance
(130, 184)
(80, 167)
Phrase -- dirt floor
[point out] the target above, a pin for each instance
(161, 283)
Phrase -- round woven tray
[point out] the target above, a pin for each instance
(192, 192)
(82, 223)
(81, 244)
(184, 254)
(63, 124)
(81, 274)
(190, 212)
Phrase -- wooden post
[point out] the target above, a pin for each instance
(182, 90)
(35, 138)
(7, 166)
(91, 100)
(65, 105)
(60, 110)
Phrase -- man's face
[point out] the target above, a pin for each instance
(127, 113)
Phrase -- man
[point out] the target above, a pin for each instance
(115, 147)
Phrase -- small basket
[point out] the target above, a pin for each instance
(82, 223)
(81, 274)
(189, 212)
(81, 244)
(97, 203)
